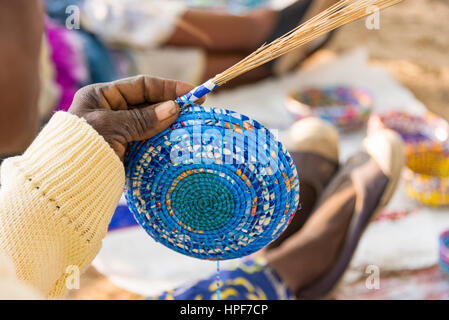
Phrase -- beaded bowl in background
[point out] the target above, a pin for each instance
(427, 173)
(444, 252)
(233, 6)
(413, 129)
(345, 107)
(215, 185)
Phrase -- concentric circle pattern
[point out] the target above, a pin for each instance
(215, 185)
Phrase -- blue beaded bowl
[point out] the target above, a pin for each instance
(215, 185)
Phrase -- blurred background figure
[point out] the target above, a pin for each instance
(169, 39)
(191, 41)
(21, 30)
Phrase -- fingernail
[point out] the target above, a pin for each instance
(166, 110)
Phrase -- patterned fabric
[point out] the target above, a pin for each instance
(215, 185)
(251, 280)
(78, 57)
(69, 61)
(101, 65)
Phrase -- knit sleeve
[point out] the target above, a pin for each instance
(56, 201)
(10, 286)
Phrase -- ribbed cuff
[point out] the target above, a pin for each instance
(74, 168)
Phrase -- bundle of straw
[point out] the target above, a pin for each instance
(341, 13)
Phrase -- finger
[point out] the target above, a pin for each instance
(131, 92)
(158, 128)
(143, 123)
(164, 110)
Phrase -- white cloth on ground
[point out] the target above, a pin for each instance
(134, 23)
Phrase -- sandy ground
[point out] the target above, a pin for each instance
(412, 43)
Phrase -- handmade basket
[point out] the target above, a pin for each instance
(346, 108)
(444, 252)
(427, 174)
(230, 5)
(216, 185)
(413, 129)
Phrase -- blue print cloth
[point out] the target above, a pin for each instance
(253, 279)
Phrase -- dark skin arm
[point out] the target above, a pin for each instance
(21, 30)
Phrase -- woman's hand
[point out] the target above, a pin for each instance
(130, 109)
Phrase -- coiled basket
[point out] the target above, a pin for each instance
(215, 185)
(427, 174)
(346, 108)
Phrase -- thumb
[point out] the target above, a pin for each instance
(144, 123)
(164, 110)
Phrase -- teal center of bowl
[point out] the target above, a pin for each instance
(203, 201)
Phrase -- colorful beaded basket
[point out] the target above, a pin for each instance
(413, 129)
(229, 5)
(444, 252)
(216, 185)
(345, 107)
(427, 174)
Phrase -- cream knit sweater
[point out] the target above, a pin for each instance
(56, 201)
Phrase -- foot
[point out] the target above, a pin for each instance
(313, 145)
(313, 260)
